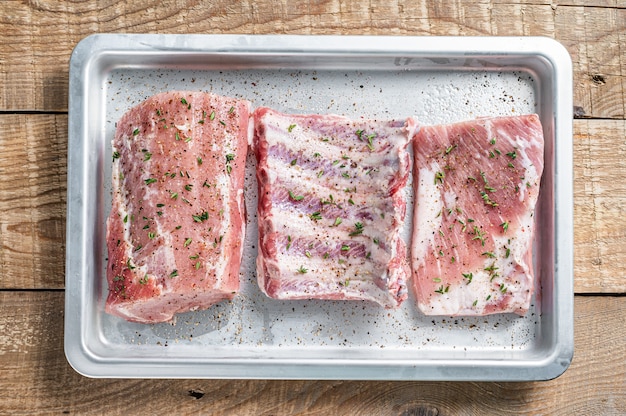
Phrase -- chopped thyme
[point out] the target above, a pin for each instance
(143, 280)
(174, 195)
(337, 222)
(295, 197)
(479, 235)
(202, 217)
(320, 173)
(505, 226)
(468, 276)
(302, 270)
(151, 235)
(358, 229)
(307, 253)
(293, 162)
(370, 141)
(174, 273)
(502, 288)
(116, 155)
(177, 136)
(212, 116)
(291, 127)
(188, 187)
(439, 177)
(199, 159)
(288, 242)
(493, 141)
(146, 156)
(489, 254)
(359, 134)
(475, 302)
(512, 154)
(345, 247)
(316, 216)
(487, 200)
(230, 157)
(149, 181)
(187, 242)
(442, 290)
(135, 132)
(231, 110)
(450, 148)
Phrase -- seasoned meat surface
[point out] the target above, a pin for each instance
(176, 227)
(476, 184)
(331, 207)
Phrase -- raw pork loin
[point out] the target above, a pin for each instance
(176, 226)
(476, 184)
(330, 207)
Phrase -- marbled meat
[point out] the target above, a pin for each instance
(176, 227)
(476, 184)
(330, 207)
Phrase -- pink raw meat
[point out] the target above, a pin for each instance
(176, 227)
(476, 184)
(330, 207)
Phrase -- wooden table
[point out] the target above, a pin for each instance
(36, 39)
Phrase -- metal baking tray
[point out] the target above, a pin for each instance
(438, 79)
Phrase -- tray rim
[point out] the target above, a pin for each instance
(88, 362)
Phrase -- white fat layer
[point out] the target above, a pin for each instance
(427, 214)
(351, 288)
(223, 183)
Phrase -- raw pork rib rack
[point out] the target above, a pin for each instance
(476, 184)
(176, 227)
(330, 207)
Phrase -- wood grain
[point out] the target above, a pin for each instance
(33, 198)
(33, 169)
(600, 206)
(34, 374)
(36, 37)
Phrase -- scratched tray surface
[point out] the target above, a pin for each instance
(252, 335)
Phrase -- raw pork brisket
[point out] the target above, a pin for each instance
(175, 231)
(476, 184)
(330, 207)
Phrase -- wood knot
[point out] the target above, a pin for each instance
(421, 410)
(579, 112)
(598, 79)
(196, 394)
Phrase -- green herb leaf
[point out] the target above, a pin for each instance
(295, 197)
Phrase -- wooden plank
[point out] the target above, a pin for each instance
(35, 376)
(600, 205)
(36, 38)
(32, 203)
(33, 165)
